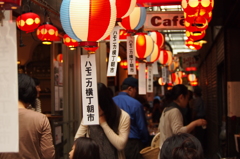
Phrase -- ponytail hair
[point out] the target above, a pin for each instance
(174, 93)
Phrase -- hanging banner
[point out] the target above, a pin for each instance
(155, 68)
(131, 59)
(89, 90)
(114, 50)
(164, 74)
(9, 131)
(150, 79)
(142, 78)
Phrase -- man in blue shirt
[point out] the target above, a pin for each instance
(139, 135)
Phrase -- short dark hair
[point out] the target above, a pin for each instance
(124, 86)
(86, 148)
(181, 146)
(27, 92)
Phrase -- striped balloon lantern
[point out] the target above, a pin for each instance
(88, 21)
(157, 37)
(135, 20)
(154, 56)
(170, 58)
(163, 58)
(192, 7)
(160, 81)
(69, 42)
(174, 77)
(28, 22)
(124, 8)
(143, 45)
(195, 35)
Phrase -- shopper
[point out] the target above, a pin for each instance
(84, 148)
(35, 138)
(139, 135)
(171, 121)
(181, 146)
(112, 133)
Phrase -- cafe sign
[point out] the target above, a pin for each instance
(164, 21)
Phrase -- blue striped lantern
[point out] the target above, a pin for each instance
(88, 21)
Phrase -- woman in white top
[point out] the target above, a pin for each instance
(112, 133)
(171, 120)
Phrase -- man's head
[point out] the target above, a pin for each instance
(130, 86)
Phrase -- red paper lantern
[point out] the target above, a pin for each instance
(191, 69)
(124, 8)
(198, 24)
(195, 35)
(60, 58)
(191, 18)
(69, 42)
(28, 22)
(124, 64)
(10, 4)
(191, 7)
(143, 45)
(47, 33)
(158, 38)
(194, 45)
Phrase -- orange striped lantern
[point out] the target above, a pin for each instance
(28, 22)
(135, 20)
(170, 58)
(69, 42)
(143, 45)
(124, 8)
(157, 37)
(160, 81)
(163, 58)
(154, 56)
(60, 58)
(88, 21)
(47, 33)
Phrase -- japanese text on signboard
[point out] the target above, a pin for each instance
(114, 49)
(131, 59)
(89, 90)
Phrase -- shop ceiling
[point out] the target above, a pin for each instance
(176, 38)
